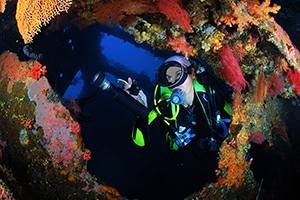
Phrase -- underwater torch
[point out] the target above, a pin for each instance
(119, 95)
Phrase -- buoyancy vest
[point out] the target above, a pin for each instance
(141, 138)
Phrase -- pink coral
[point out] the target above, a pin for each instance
(60, 141)
(119, 11)
(257, 138)
(180, 45)
(231, 69)
(84, 178)
(283, 42)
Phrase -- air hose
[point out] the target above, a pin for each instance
(164, 97)
(220, 122)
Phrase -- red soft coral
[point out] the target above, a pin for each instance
(231, 69)
(17, 70)
(116, 11)
(257, 138)
(275, 85)
(76, 128)
(294, 78)
(180, 45)
(175, 12)
(87, 155)
(37, 70)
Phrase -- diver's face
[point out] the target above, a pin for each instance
(173, 74)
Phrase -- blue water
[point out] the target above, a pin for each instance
(133, 58)
(75, 88)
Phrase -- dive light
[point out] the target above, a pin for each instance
(119, 95)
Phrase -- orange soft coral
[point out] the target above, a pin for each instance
(2, 5)
(37, 70)
(241, 16)
(233, 166)
(261, 11)
(260, 93)
(32, 14)
(250, 12)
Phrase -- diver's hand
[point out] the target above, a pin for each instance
(141, 97)
(128, 85)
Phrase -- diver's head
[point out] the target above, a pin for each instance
(173, 72)
(176, 72)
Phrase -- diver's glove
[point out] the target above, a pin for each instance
(134, 91)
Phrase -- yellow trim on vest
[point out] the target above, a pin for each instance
(139, 138)
(197, 86)
(227, 108)
(165, 93)
(200, 88)
(164, 90)
(151, 116)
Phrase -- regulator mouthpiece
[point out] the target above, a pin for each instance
(177, 97)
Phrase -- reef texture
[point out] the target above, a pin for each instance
(41, 140)
(239, 39)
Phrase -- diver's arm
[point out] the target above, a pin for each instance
(140, 131)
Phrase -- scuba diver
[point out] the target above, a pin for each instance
(190, 107)
(190, 112)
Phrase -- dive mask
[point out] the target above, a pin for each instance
(171, 74)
